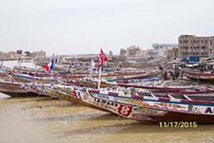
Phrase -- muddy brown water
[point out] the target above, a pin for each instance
(39, 120)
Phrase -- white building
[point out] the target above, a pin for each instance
(160, 50)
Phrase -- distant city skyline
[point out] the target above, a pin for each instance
(85, 26)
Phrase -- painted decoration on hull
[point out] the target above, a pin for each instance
(76, 94)
(111, 106)
(156, 104)
(143, 110)
(125, 110)
(149, 111)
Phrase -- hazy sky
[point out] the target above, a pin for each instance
(85, 26)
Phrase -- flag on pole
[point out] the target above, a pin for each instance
(92, 64)
(47, 67)
(53, 61)
(103, 57)
(52, 64)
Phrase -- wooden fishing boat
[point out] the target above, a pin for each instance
(66, 92)
(80, 96)
(155, 88)
(15, 89)
(150, 108)
(111, 76)
(28, 78)
(36, 88)
(198, 75)
(60, 92)
(3, 74)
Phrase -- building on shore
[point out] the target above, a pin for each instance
(131, 51)
(151, 54)
(38, 54)
(190, 45)
(172, 54)
(122, 52)
(85, 58)
(12, 55)
(19, 54)
(134, 52)
(2, 56)
(160, 50)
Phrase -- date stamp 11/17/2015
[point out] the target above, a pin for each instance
(178, 124)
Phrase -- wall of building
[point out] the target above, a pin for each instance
(160, 50)
(134, 51)
(172, 54)
(190, 45)
(14, 55)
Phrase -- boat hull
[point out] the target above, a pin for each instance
(182, 117)
(199, 76)
(21, 94)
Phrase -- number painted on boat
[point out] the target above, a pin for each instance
(124, 110)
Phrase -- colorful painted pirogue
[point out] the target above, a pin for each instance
(79, 95)
(29, 78)
(65, 92)
(198, 75)
(153, 109)
(145, 107)
(11, 87)
(25, 83)
(155, 88)
(32, 76)
(15, 89)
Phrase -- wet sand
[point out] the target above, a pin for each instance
(32, 120)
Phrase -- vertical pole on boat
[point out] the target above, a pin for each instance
(92, 67)
(1, 59)
(99, 80)
(103, 59)
(1, 63)
(19, 52)
(19, 63)
(52, 74)
(35, 72)
(20, 59)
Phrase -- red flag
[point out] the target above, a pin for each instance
(47, 68)
(103, 57)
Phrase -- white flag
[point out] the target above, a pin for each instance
(92, 64)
